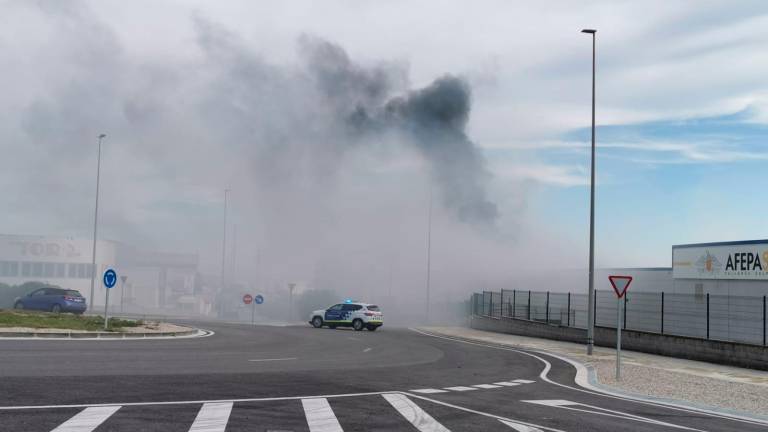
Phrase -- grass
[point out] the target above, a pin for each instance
(68, 321)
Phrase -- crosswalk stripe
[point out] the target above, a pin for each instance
(87, 419)
(507, 383)
(522, 381)
(429, 391)
(414, 414)
(212, 417)
(521, 427)
(320, 416)
(460, 388)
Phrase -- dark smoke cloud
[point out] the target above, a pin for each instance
(432, 119)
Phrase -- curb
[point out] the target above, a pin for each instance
(96, 335)
(586, 377)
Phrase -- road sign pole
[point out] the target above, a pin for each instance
(253, 313)
(106, 310)
(619, 310)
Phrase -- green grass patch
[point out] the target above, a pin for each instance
(34, 319)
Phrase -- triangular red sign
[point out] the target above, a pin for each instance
(620, 284)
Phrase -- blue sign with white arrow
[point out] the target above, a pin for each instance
(259, 299)
(110, 278)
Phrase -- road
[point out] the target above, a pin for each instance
(298, 378)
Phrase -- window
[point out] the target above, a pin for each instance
(72, 270)
(37, 269)
(53, 291)
(699, 292)
(72, 293)
(39, 292)
(49, 269)
(61, 270)
(351, 307)
(26, 269)
(12, 269)
(81, 271)
(335, 307)
(373, 308)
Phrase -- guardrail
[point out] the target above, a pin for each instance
(740, 319)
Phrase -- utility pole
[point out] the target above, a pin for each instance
(591, 297)
(95, 223)
(429, 250)
(223, 254)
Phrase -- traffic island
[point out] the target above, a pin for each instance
(45, 325)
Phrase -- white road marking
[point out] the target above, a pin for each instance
(429, 391)
(583, 381)
(273, 359)
(481, 413)
(366, 350)
(521, 381)
(460, 388)
(87, 419)
(486, 386)
(414, 414)
(507, 384)
(591, 409)
(520, 427)
(212, 417)
(320, 416)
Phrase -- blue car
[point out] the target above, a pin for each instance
(53, 300)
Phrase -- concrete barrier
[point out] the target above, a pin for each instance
(727, 353)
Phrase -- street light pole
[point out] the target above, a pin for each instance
(95, 224)
(591, 297)
(429, 248)
(224, 244)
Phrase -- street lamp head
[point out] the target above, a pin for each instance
(592, 31)
(102, 136)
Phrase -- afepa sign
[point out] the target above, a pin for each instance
(732, 260)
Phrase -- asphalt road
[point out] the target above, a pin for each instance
(245, 378)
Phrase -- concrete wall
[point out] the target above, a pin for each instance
(728, 353)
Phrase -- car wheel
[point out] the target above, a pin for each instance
(357, 325)
(18, 305)
(56, 308)
(317, 322)
(372, 327)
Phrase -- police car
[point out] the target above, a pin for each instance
(348, 314)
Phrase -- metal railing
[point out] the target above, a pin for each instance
(739, 319)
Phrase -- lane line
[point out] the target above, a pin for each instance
(87, 419)
(486, 386)
(460, 388)
(429, 391)
(414, 414)
(507, 383)
(212, 417)
(193, 402)
(522, 381)
(582, 381)
(320, 416)
(366, 350)
(273, 359)
(520, 427)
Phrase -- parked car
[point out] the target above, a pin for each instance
(350, 314)
(53, 300)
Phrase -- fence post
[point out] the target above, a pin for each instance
(764, 321)
(547, 313)
(707, 315)
(569, 310)
(625, 311)
(662, 312)
(514, 302)
(529, 305)
(490, 306)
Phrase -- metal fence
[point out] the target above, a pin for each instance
(714, 317)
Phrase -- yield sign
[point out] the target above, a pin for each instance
(620, 284)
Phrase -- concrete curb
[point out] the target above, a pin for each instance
(586, 377)
(98, 335)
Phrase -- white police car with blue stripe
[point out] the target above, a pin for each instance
(359, 316)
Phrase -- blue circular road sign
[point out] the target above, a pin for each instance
(110, 278)
(259, 299)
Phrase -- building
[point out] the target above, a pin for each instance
(158, 282)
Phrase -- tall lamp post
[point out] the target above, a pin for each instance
(224, 245)
(429, 250)
(95, 223)
(591, 297)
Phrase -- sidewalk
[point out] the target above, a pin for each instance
(698, 383)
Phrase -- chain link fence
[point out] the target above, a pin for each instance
(739, 319)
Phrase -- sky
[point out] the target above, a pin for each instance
(196, 97)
